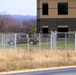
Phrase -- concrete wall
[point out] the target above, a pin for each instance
(54, 23)
(53, 8)
(53, 20)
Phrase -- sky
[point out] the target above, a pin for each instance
(18, 7)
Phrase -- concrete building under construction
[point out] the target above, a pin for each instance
(56, 15)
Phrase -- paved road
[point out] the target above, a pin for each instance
(69, 71)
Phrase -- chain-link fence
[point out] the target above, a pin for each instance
(66, 41)
(4, 40)
(53, 41)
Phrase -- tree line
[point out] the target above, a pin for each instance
(9, 24)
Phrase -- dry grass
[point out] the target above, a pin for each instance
(10, 60)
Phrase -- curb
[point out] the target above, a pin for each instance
(33, 70)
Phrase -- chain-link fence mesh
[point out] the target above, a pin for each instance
(53, 41)
(6, 40)
(66, 41)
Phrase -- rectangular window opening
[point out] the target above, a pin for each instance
(45, 32)
(63, 32)
(63, 8)
(45, 8)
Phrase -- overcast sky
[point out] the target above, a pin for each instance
(18, 7)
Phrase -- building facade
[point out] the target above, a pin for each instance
(56, 15)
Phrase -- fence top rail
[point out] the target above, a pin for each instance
(65, 32)
(59, 33)
(44, 33)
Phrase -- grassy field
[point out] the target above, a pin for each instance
(21, 60)
(44, 45)
(67, 46)
(47, 45)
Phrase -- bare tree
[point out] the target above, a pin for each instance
(28, 25)
(8, 24)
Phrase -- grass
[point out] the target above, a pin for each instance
(43, 45)
(69, 45)
(20, 60)
(46, 45)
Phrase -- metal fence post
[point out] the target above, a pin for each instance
(47, 40)
(65, 40)
(51, 42)
(55, 39)
(2, 41)
(39, 41)
(15, 41)
(28, 43)
(75, 41)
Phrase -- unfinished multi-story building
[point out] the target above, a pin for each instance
(56, 15)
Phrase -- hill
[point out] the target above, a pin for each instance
(21, 18)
